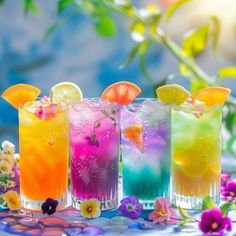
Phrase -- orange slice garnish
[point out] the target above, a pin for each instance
(134, 134)
(20, 94)
(123, 92)
(212, 96)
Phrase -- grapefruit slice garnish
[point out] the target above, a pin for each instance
(20, 94)
(172, 94)
(123, 93)
(212, 96)
(134, 134)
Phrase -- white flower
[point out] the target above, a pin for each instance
(7, 157)
(8, 147)
(17, 158)
(11, 184)
(5, 167)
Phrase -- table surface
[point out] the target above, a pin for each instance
(109, 224)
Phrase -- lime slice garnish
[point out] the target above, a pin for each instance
(172, 94)
(66, 92)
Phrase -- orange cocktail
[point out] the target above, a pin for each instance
(43, 135)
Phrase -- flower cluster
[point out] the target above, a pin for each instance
(46, 110)
(9, 169)
(228, 188)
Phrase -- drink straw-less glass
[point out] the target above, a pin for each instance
(196, 156)
(146, 167)
(94, 152)
(43, 155)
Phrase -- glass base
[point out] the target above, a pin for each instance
(147, 204)
(35, 205)
(191, 203)
(105, 206)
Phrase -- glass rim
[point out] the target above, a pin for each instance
(204, 109)
(138, 101)
(94, 100)
(60, 106)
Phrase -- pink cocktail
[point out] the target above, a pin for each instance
(94, 152)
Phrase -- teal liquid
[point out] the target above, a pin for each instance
(145, 185)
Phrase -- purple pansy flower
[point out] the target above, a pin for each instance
(224, 179)
(49, 206)
(214, 223)
(130, 207)
(228, 193)
(92, 140)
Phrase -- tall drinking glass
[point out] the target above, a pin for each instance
(196, 156)
(94, 152)
(145, 148)
(43, 136)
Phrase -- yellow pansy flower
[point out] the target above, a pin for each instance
(12, 199)
(90, 208)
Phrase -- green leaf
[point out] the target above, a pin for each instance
(197, 84)
(131, 55)
(230, 122)
(208, 203)
(51, 28)
(195, 42)
(215, 32)
(230, 145)
(2, 1)
(184, 213)
(227, 72)
(142, 58)
(225, 208)
(62, 5)
(174, 7)
(105, 26)
(234, 206)
(30, 5)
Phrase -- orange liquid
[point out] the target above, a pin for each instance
(43, 156)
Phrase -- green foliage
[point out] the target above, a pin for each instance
(2, 1)
(172, 9)
(215, 32)
(31, 5)
(225, 208)
(197, 84)
(62, 5)
(51, 28)
(105, 26)
(183, 213)
(208, 203)
(195, 42)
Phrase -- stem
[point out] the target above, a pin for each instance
(170, 44)
(176, 51)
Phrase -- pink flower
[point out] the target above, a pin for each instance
(224, 178)
(51, 111)
(40, 113)
(164, 213)
(214, 223)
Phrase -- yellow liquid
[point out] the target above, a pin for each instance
(196, 152)
(43, 155)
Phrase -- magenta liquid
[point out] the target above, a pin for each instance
(94, 152)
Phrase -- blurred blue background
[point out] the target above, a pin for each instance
(72, 53)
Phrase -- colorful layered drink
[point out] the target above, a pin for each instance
(145, 150)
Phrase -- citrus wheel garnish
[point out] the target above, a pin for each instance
(66, 92)
(212, 96)
(123, 93)
(134, 134)
(172, 94)
(20, 94)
